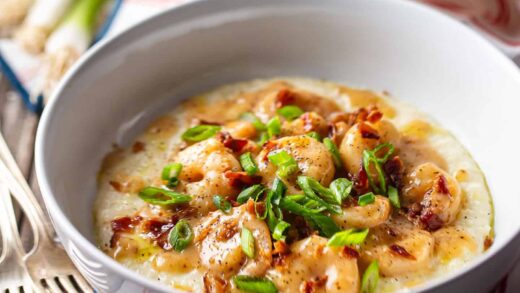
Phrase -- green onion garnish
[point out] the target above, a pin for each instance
(159, 196)
(251, 192)
(295, 197)
(200, 133)
(257, 123)
(248, 164)
(254, 284)
(370, 278)
(248, 242)
(290, 112)
(171, 173)
(274, 127)
(348, 237)
(280, 229)
(341, 189)
(264, 137)
(310, 186)
(393, 196)
(181, 235)
(331, 146)
(366, 198)
(285, 163)
(221, 203)
(325, 225)
(370, 157)
(314, 135)
(279, 189)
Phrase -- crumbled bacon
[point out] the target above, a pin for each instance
(361, 180)
(125, 224)
(116, 185)
(268, 147)
(442, 185)
(394, 169)
(280, 253)
(285, 97)
(138, 146)
(431, 221)
(401, 251)
(367, 131)
(236, 145)
(241, 179)
(350, 252)
(312, 285)
(158, 231)
(374, 116)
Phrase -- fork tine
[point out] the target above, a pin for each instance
(82, 283)
(53, 286)
(67, 284)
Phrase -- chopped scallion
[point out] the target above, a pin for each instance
(370, 278)
(264, 137)
(257, 123)
(372, 158)
(221, 203)
(248, 164)
(248, 242)
(251, 192)
(341, 189)
(254, 284)
(366, 198)
(200, 133)
(290, 112)
(274, 127)
(285, 163)
(181, 235)
(310, 186)
(324, 224)
(171, 173)
(159, 196)
(348, 237)
(393, 196)
(314, 135)
(333, 150)
(279, 230)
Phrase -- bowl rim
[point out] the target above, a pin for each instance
(84, 244)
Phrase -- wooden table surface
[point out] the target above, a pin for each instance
(18, 125)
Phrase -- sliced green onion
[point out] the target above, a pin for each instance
(279, 189)
(248, 242)
(331, 146)
(159, 196)
(181, 235)
(290, 112)
(366, 198)
(348, 237)
(171, 173)
(221, 203)
(370, 157)
(285, 163)
(325, 225)
(393, 196)
(341, 188)
(200, 133)
(264, 137)
(250, 192)
(296, 197)
(370, 278)
(248, 164)
(280, 229)
(257, 123)
(314, 135)
(310, 185)
(254, 284)
(274, 126)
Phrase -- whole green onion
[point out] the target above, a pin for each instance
(366, 198)
(348, 237)
(370, 278)
(200, 133)
(159, 196)
(333, 150)
(254, 284)
(181, 235)
(248, 164)
(290, 112)
(248, 242)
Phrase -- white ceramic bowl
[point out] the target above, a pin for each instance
(417, 54)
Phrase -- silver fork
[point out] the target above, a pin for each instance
(47, 263)
(13, 272)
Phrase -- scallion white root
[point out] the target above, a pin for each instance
(12, 12)
(42, 19)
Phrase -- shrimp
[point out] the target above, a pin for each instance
(312, 157)
(367, 216)
(204, 165)
(365, 136)
(220, 250)
(285, 95)
(307, 122)
(312, 266)
(438, 193)
(399, 249)
(241, 129)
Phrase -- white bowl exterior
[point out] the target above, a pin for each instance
(415, 53)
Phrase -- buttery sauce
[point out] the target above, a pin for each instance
(442, 219)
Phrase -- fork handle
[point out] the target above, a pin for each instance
(24, 195)
(11, 242)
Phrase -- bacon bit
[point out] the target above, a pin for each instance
(241, 179)
(116, 185)
(361, 180)
(236, 145)
(367, 131)
(125, 224)
(431, 221)
(280, 247)
(315, 283)
(138, 146)
(374, 116)
(285, 97)
(213, 284)
(401, 251)
(227, 230)
(442, 185)
(359, 116)
(349, 252)
(488, 241)
(394, 168)
(158, 231)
